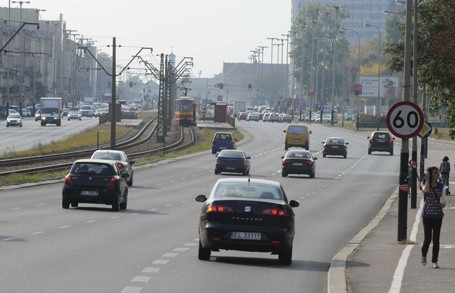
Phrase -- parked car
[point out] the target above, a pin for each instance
(123, 163)
(222, 140)
(381, 141)
(286, 118)
(335, 146)
(242, 115)
(101, 111)
(14, 120)
(26, 112)
(247, 215)
(234, 161)
(95, 181)
(298, 162)
(72, 115)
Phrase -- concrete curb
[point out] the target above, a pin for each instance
(337, 275)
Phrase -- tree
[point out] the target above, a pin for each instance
(436, 61)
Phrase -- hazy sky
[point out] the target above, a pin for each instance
(210, 31)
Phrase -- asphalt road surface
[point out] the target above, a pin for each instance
(152, 246)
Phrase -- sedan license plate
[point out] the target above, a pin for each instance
(90, 193)
(297, 164)
(334, 147)
(230, 168)
(246, 235)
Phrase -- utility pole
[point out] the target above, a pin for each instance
(337, 8)
(414, 139)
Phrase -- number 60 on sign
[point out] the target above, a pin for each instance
(405, 119)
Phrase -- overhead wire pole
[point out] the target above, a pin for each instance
(404, 154)
(114, 75)
(414, 139)
(337, 9)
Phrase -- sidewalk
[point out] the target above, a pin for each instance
(374, 261)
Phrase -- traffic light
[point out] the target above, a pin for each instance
(358, 90)
(250, 86)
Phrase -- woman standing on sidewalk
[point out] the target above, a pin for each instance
(432, 214)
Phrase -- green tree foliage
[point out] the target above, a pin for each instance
(313, 34)
(436, 60)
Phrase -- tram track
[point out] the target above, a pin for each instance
(141, 145)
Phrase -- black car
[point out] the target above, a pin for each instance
(247, 215)
(234, 161)
(335, 146)
(123, 163)
(298, 162)
(95, 181)
(380, 141)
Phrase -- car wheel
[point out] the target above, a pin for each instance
(203, 253)
(286, 147)
(369, 151)
(324, 155)
(7, 125)
(391, 153)
(284, 174)
(313, 174)
(115, 204)
(285, 256)
(74, 204)
(345, 156)
(130, 182)
(20, 125)
(213, 152)
(307, 147)
(65, 204)
(124, 204)
(217, 172)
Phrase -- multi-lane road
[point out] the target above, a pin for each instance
(152, 246)
(32, 134)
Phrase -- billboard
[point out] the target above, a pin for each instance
(389, 86)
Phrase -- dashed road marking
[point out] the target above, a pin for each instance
(90, 221)
(8, 239)
(160, 261)
(190, 244)
(64, 227)
(181, 249)
(141, 279)
(132, 290)
(152, 270)
(170, 254)
(37, 232)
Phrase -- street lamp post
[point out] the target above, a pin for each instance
(379, 70)
(337, 10)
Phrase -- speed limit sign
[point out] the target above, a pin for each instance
(405, 119)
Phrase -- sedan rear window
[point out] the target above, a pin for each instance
(381, 135)
(92, 169)
(248, 190)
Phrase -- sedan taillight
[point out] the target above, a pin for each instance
(219, 209)
(274, 212)
(112, 183)
(68, 180)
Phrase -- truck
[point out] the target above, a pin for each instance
(239, 106)
(51, 110)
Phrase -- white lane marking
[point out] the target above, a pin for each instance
(181, 249)
(196, 239)
(134, 214)
(37, 232)
(172, 181)
(183, 201)
(132, 290)
(183, 178)
(190, 244)
(152, 210)
(152, 270)
(16, 208)
(8, 239)
(41, 204)
(114, 217)
(64, 227)
(90, 221)
(141, 279)
(399, 271)
(160, 261)
(168, 205)
(170, 254)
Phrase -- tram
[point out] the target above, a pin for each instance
(186, 109)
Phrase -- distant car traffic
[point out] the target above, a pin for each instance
(233, 161)
(247, 215)
(123, 163)
(335, 146)
(86, 111)
(37, 115)
(95, 181)
(252, 116)
(381, 141)
(101, 111)
(74, 115)
(222, 140)
(14, 120)
(298, 162)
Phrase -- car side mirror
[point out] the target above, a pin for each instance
(293, 203)
(125, 175)
(346, 143)
(284, 131)
(311, 132)
(131, 162)
(200, 198)
(315, 158)
(282, 157)
(248, 157)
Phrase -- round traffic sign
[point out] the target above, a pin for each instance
(405, 119)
